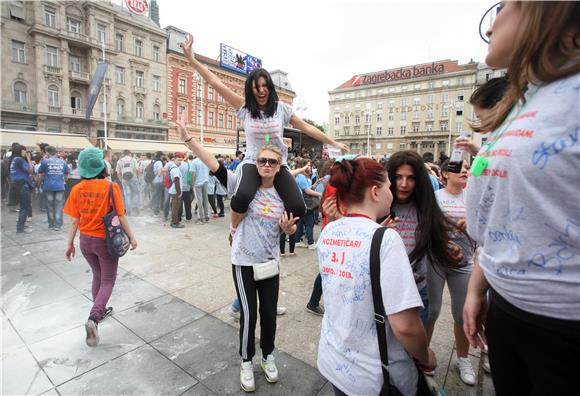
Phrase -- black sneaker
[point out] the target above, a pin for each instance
(315, 310)
(108, 312)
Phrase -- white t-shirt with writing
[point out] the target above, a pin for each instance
(407, 227)
(524, 210)
(348, 352)
(263, 131)
(453, 207)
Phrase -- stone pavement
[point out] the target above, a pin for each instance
(170, 332)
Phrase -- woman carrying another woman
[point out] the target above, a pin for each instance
(254, 244)
(523, 208)
(348, 355)
(263, 117)
(87, 204)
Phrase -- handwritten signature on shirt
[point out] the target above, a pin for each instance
(545, 151)
(563, 248)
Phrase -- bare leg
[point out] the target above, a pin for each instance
(461, 342)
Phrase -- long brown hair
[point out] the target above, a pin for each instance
(546, 40)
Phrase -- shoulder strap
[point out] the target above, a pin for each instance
(380, 316)
(111, 197)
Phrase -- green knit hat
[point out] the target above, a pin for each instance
(90, 162)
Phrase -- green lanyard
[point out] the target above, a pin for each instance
(480, 162)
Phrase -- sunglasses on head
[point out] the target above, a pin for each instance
(270, 161)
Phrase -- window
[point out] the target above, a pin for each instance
(75, 100)
(139, 78)
(101, 32)
(156, 53)
(367, 118)
(346, 119)
(139, 110)
(120, 108)
(429, 114)
(416, 126)
(220, 98)
(119, 42)
(416, 101)
(367, 129)
(402, 146)
(73, 25)
(379, 117)
(156, 83)
(445, 97)
(182, 109)
(181, 88)
(429, 126)
(220, 120)
(51, 56)
(430, 99)
(460, 81)
(460, 96)
(403, 129)
(18, 52)
(210, 93)
(445, 83)
(230, 122)
(379, 131)
(458, 126)
(391, 117)
(415, 115)
(445, 111)
(443, 125)
(20, 92)
(417, 86)
(156, 112)
(138, 50)
(391, 103)
(120, 75)
(357, 130)
(198, 92)
(378, 146)
(53, 99)
(404, 102)
(431, 84)
(403, 116)
(392, 89)
(210, 118)
(336, 120)
(50, 17)
(379, 105)
(404, 88)
(356, 119)
(347, 130)
(75, 63)
(17, 10)
(198, 116)
(390, 131)
(459, 112)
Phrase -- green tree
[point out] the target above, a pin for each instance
(315, 124)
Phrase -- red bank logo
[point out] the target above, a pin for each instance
(356, 81)
(139, 7)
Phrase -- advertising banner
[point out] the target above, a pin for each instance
(238, 61)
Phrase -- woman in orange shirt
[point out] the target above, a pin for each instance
(87, 203)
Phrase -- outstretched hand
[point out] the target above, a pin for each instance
(287, 223)
(343, 147)
(187, 46)
(182, 126)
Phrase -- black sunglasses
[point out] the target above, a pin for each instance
(270, 161)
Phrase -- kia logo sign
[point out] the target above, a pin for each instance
(139, 7)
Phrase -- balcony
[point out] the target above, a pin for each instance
(57, 71)
(54, 109)
(17, 106)
(79, 76)
(78, 111)
(77, 37)
(139, 90)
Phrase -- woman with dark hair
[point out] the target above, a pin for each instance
(21, 170)
(87, 204)
(347, 352)
(421, 223)
(523, 208)
(264, 118)
(74, 177)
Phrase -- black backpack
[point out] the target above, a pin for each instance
(149, 173)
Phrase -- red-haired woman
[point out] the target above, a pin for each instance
(348, 355)
(523, 208)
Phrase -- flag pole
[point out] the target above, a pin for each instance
(105, 97)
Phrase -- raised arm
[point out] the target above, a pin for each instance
(204, 155)
(230, 96)
(315, 133)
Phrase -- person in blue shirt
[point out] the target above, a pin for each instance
(200, 176)
(306, 223)
(53, 172)
(20, 171)
(237, 161)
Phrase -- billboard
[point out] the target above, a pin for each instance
(139, 7)
(238, 61)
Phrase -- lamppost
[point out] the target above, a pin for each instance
(449, 106)
(369, 124)
(199, 80)
(301, 110)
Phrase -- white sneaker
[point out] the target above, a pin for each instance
(234, 314)
(280, 311)
(466, 372)
(92, 333)
(312, 246)
(301, 245)
(247, 377)
(270, 369)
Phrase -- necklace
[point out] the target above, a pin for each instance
(357, 215)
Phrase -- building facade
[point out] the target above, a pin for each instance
(210, 118)
(421, 107)
(50, 50)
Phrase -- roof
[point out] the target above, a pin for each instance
(151, 146)
(31, 139)
(407, 72)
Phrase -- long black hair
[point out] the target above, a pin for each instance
(433, 228)
(251, 102)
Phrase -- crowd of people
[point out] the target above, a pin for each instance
(497, 226)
